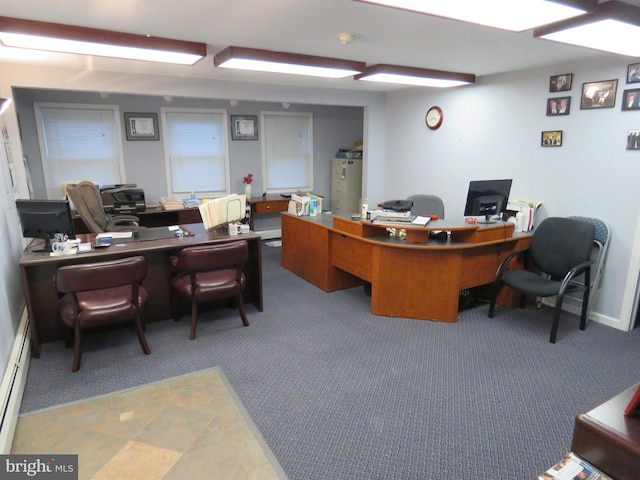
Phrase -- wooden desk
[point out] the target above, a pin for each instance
(37, 271)
(608, 439)
(264, 205)
(155, 217)
(411, 280)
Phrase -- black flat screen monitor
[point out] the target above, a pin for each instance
(43, 219)
(488, 198)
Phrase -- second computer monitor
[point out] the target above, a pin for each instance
(487, 198)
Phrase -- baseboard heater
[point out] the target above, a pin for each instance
(13, 383)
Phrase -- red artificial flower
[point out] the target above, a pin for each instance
(248, 179)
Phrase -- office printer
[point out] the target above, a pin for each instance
(122, 198)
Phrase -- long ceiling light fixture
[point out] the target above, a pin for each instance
(282, 62)
(421, 77)
(511, 15)
(612, 27)
(54, 37)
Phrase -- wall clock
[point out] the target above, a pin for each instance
(433, 119)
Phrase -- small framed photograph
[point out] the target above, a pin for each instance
(633, 73)
(558, 106)
(633, 140)
(599, 94)
(631, 99)
(560, 83)
(552, 138)
(244, 127)
(141, 126)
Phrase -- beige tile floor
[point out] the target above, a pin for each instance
(188, 427)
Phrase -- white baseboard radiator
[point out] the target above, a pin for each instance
(12, 385)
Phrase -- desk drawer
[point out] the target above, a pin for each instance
(268, 207)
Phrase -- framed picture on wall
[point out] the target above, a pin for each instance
(141, 126)
(244, 127)
(599, 94)
(551, 138)
(561, 83)
(633, 140)
(633, 73)
(558, 106)
(631, 99)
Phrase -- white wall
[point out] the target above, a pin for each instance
(492, 130)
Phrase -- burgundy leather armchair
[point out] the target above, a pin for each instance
(102, 294)
(207, 274)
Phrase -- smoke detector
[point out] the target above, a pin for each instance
(347, 37)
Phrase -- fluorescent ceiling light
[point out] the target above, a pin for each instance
(282, 62)
(422, 77)
(612, 27)
(514, 15)
(53, 37)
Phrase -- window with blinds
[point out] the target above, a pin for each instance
(196, 152)
(79, 142)
(287, 151)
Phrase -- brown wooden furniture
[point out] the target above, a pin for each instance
(37, 271)
(608, 439)
(100, 294)
(264, 205)
(155, 217)
(408, 278)
(208, 273)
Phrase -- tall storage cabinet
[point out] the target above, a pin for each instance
(346, 185)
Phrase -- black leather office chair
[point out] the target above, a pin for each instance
(427, 205)
(560, 251)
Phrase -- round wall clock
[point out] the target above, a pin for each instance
(433, 119)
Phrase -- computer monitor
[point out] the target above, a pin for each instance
(488, 198)
(43, 219)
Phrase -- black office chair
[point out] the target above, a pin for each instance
(560, 251)
(427, 205)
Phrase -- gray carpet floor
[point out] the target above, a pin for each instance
(339, 393)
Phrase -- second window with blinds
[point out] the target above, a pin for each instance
(196, 152)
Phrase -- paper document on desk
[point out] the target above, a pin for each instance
(419, 220)
(221, 211)
(114, 235)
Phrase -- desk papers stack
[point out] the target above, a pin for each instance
(221, 211)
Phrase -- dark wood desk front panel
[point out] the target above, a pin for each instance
(155, 217)
(608, 439)
(38, 269)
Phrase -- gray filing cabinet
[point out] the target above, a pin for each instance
(346, 185)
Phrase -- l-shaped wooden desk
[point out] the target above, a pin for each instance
(37, 271)
(413, 277)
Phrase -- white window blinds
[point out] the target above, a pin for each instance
(287, 151)
(196, 152)
(78, 143)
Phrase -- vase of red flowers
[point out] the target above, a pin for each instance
(247, 184)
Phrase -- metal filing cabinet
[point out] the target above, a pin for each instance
(346, 185)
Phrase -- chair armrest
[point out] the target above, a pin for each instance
(125, 220)
(508, 259)
(584, 267)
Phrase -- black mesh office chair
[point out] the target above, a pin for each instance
(560, 251)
